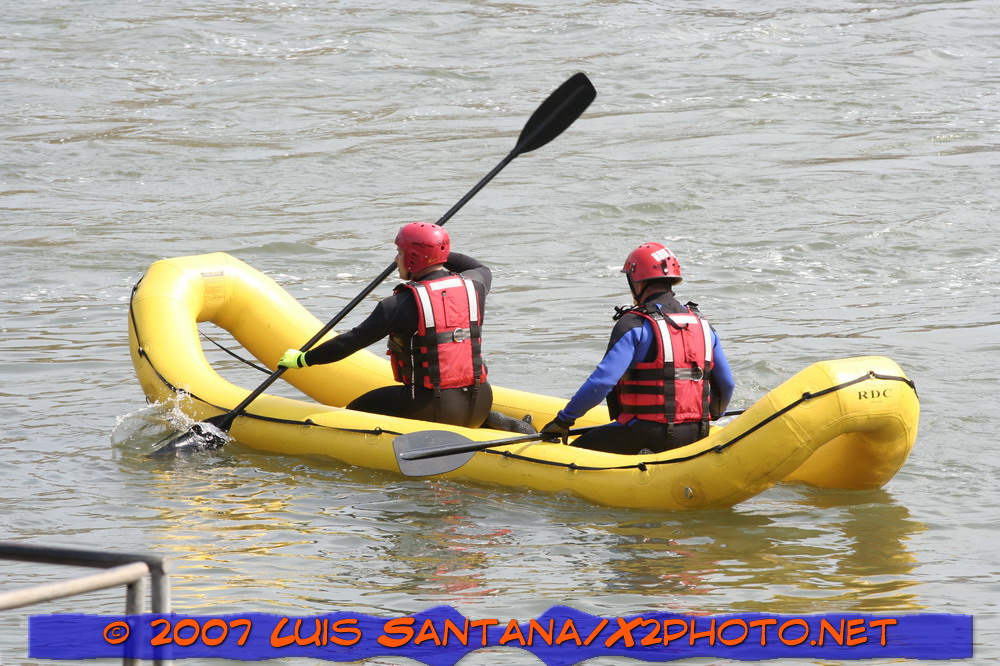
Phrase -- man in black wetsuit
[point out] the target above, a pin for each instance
(433, 323)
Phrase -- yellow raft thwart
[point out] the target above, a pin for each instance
(847, 423)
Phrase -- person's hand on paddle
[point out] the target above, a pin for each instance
(557, 429)
(293, 358)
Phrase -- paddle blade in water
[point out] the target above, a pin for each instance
(416, 444)
(556, 113)
(203, 436)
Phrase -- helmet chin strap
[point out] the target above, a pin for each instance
(636, 296)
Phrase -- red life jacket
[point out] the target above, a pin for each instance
(445, 350)
(673, 387)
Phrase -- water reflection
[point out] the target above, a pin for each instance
(813, 553)
(321, 536)
(449, 554)
(822, 551)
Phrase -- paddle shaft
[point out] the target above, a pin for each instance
(226, 422)
(433, 452)
(550, 119)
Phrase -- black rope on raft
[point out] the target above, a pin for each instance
(377, 430)
(719, 448)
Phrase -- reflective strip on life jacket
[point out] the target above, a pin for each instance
(682, 319)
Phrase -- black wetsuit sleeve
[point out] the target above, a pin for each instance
(470, 268)
(397, 313)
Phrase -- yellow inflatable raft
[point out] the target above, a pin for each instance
(847, 423)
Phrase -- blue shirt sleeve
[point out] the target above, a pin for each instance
(630, 347)
(722, 380)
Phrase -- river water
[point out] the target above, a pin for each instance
(827, 177)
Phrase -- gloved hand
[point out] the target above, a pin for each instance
(293, 358)
(557, 429)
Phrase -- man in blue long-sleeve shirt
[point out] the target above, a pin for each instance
(664, 374)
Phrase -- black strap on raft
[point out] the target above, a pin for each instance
(236, 356)
(719, 448)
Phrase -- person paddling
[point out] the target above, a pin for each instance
(664, 374)
(433, 323)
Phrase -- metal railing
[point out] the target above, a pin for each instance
(119, 569)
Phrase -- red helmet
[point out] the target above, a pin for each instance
(423, 245)
(651, 261)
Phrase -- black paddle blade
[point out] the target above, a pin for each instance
(556, 113)
(203, 436)
(411, 446)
